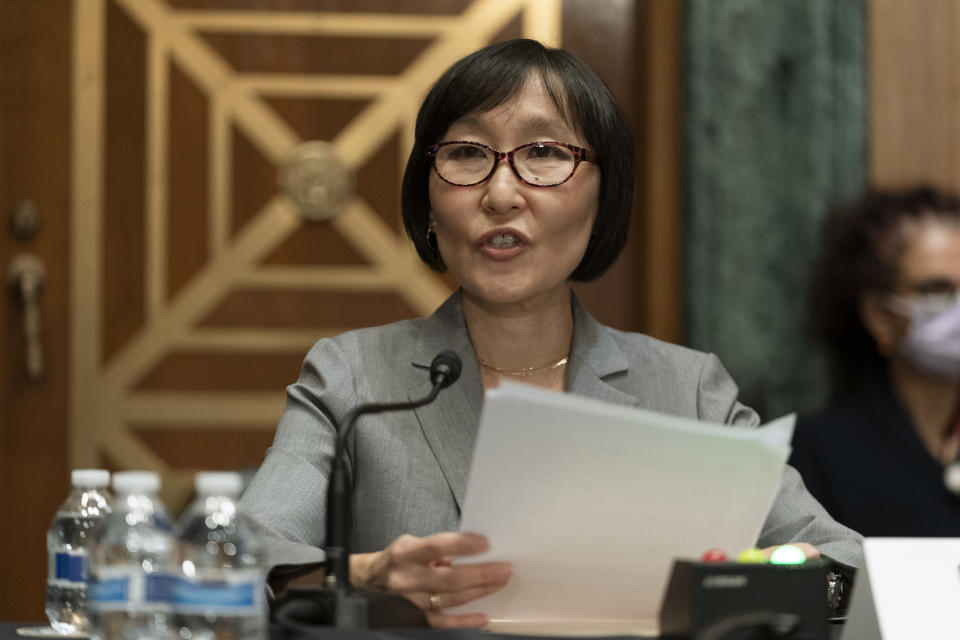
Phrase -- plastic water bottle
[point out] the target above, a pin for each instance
(69, 540)
(132, 564)
(220, 594)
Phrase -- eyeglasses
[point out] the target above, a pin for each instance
(540, 164)
(931, 303)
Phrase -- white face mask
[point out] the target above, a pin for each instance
(932, 342)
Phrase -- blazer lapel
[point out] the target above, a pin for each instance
(450, 422)
(597, 363)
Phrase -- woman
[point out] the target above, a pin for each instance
(886, 303)
(520, 180)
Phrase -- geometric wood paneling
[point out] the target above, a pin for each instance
(187, 264)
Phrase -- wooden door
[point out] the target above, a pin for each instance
(183, 286)
(35, 39)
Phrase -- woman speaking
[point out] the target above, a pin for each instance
(520, 181)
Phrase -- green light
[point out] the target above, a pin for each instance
(788, 554)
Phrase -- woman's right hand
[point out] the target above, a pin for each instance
(421, 570)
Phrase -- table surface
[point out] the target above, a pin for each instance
(8, 631)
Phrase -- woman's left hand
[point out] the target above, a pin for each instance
(421, 570)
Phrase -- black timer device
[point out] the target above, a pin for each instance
(737, 601)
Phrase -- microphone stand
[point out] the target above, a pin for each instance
(362, 609)
(351, 610)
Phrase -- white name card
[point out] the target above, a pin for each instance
(909, 589)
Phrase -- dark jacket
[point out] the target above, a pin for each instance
(863, 461)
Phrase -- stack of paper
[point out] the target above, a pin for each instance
(592, 502)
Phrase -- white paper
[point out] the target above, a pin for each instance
(909, 588)
(591, 502)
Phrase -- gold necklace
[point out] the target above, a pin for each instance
(528, 371)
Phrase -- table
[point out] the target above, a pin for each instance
(8, 631)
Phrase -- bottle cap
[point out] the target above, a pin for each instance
(218, 483)
(136, 482)
(90, 477)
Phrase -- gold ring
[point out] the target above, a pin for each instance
(434, 602)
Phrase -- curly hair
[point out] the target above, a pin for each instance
(861, 247)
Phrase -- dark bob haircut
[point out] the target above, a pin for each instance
(493, 76)
(861, 247)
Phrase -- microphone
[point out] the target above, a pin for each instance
(445, 369)
(361, 608)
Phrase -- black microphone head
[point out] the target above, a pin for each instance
(445, 369)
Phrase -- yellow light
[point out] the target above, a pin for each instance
(751, 556)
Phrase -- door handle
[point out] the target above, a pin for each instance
(26, 278)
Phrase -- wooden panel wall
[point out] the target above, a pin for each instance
(914, 59)
(198, 285)
(659, 123)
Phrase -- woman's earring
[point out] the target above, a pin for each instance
(432, 240)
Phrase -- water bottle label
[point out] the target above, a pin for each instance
(241, 594)
(115, 588)
(67, 568)
(109, 593)
(157, 587)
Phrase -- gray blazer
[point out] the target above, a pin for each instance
(409, 468)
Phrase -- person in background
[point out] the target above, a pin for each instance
(886, 302)
(520, 180)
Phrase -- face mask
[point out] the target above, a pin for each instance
(932, 342)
